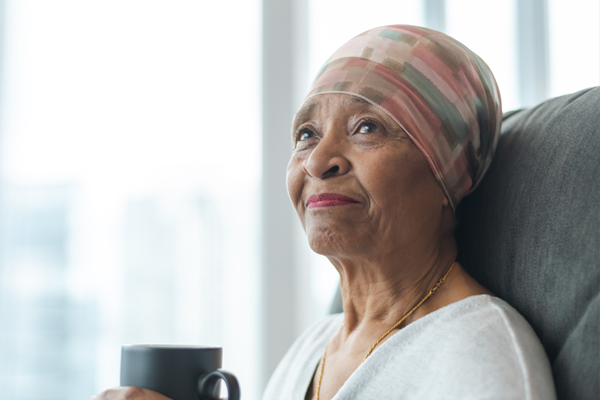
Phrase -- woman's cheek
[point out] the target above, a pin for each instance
(295, 182)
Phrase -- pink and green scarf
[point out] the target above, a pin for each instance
(441, 93)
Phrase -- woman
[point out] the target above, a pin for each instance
(400, 125)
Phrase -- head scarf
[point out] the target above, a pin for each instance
(440, 92)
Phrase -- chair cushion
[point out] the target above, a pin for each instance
(530, 232)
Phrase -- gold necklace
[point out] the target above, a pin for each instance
(437, 285)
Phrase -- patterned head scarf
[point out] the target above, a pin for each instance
(440, 92)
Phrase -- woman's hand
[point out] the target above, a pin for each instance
(129, 393)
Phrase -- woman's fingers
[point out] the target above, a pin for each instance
(129, 393)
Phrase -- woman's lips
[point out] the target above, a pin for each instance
(328, 200)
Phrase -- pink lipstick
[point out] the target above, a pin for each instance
(329, 200)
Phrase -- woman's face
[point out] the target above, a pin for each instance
(358, 182)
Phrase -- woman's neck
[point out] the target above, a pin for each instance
(380, 290)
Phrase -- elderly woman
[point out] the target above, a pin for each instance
(400, 125)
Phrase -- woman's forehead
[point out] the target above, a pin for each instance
(345, 102)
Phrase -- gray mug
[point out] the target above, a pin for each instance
(178, 372)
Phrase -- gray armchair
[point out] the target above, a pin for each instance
(530, 232)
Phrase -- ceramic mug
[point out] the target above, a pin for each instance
(178, 372)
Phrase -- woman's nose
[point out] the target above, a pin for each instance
(327, 159)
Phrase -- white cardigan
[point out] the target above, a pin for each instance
(477, 348)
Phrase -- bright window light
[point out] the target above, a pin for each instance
(130, 166)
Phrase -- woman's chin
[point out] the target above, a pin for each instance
(331, 241)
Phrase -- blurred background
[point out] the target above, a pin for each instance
(143, 146)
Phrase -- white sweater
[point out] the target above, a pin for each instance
(477, 348)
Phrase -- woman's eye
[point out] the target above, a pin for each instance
(368, 128)
(305, 135)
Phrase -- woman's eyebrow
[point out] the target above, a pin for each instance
(305, 112)
(302, 115)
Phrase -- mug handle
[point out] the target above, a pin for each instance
(208, 383)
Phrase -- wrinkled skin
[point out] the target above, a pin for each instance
(393, 244)
(129, 393)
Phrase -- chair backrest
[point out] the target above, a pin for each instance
(530, 232)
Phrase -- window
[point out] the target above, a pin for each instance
(130, 170)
